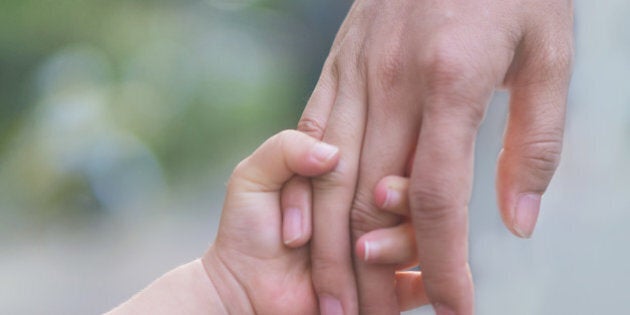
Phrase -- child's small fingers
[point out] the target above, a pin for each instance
(410, 290)
(395, 245)
(296, 212)
(391, 194)
(287, 153)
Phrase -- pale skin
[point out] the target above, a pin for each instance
(408, 82)
(250, 269)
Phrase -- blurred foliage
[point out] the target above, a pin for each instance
(106, 104)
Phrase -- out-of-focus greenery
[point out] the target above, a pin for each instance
(106, 104)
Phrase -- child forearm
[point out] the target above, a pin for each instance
(183, 290)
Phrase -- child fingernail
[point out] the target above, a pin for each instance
(323, 152)
(292, 225)
(370, 250)
(366, 251)
(392, 198)
(328, 305)
(526, 214)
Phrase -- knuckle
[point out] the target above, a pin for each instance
(311, 127)
(543, 154)
(284, 139)
(556, 60)
(390, 66)
(434, 200)
(364, 217)
(324, 267)
(336, 65)
(348, 53)
(547, 62)
(244, 178)
(348, 60)
(331, 67)
(454, 84)
(445, 63)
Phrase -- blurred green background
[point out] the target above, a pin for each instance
(108, 103)
(121, 120)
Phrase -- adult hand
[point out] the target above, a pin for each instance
(409, 77)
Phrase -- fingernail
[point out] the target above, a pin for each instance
(329, 305)
(392, 197)
(442, 310)
(366, 251)
(370, 250)
(292, 225)
(323, 152)
(526, 214)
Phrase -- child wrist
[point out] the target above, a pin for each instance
(230, 293)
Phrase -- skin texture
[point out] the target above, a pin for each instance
(395, 244)
(249, 239)
(408, 82)
(248, 269)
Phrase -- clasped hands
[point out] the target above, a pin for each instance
(380, 177)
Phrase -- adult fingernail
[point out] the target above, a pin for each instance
(328, 305)
(526, 214)
(292, 225)
(323, 152)
(442, 310)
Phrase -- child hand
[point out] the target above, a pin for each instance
(395, 245)
(253, 270)
(251, 266)
(249, 269)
